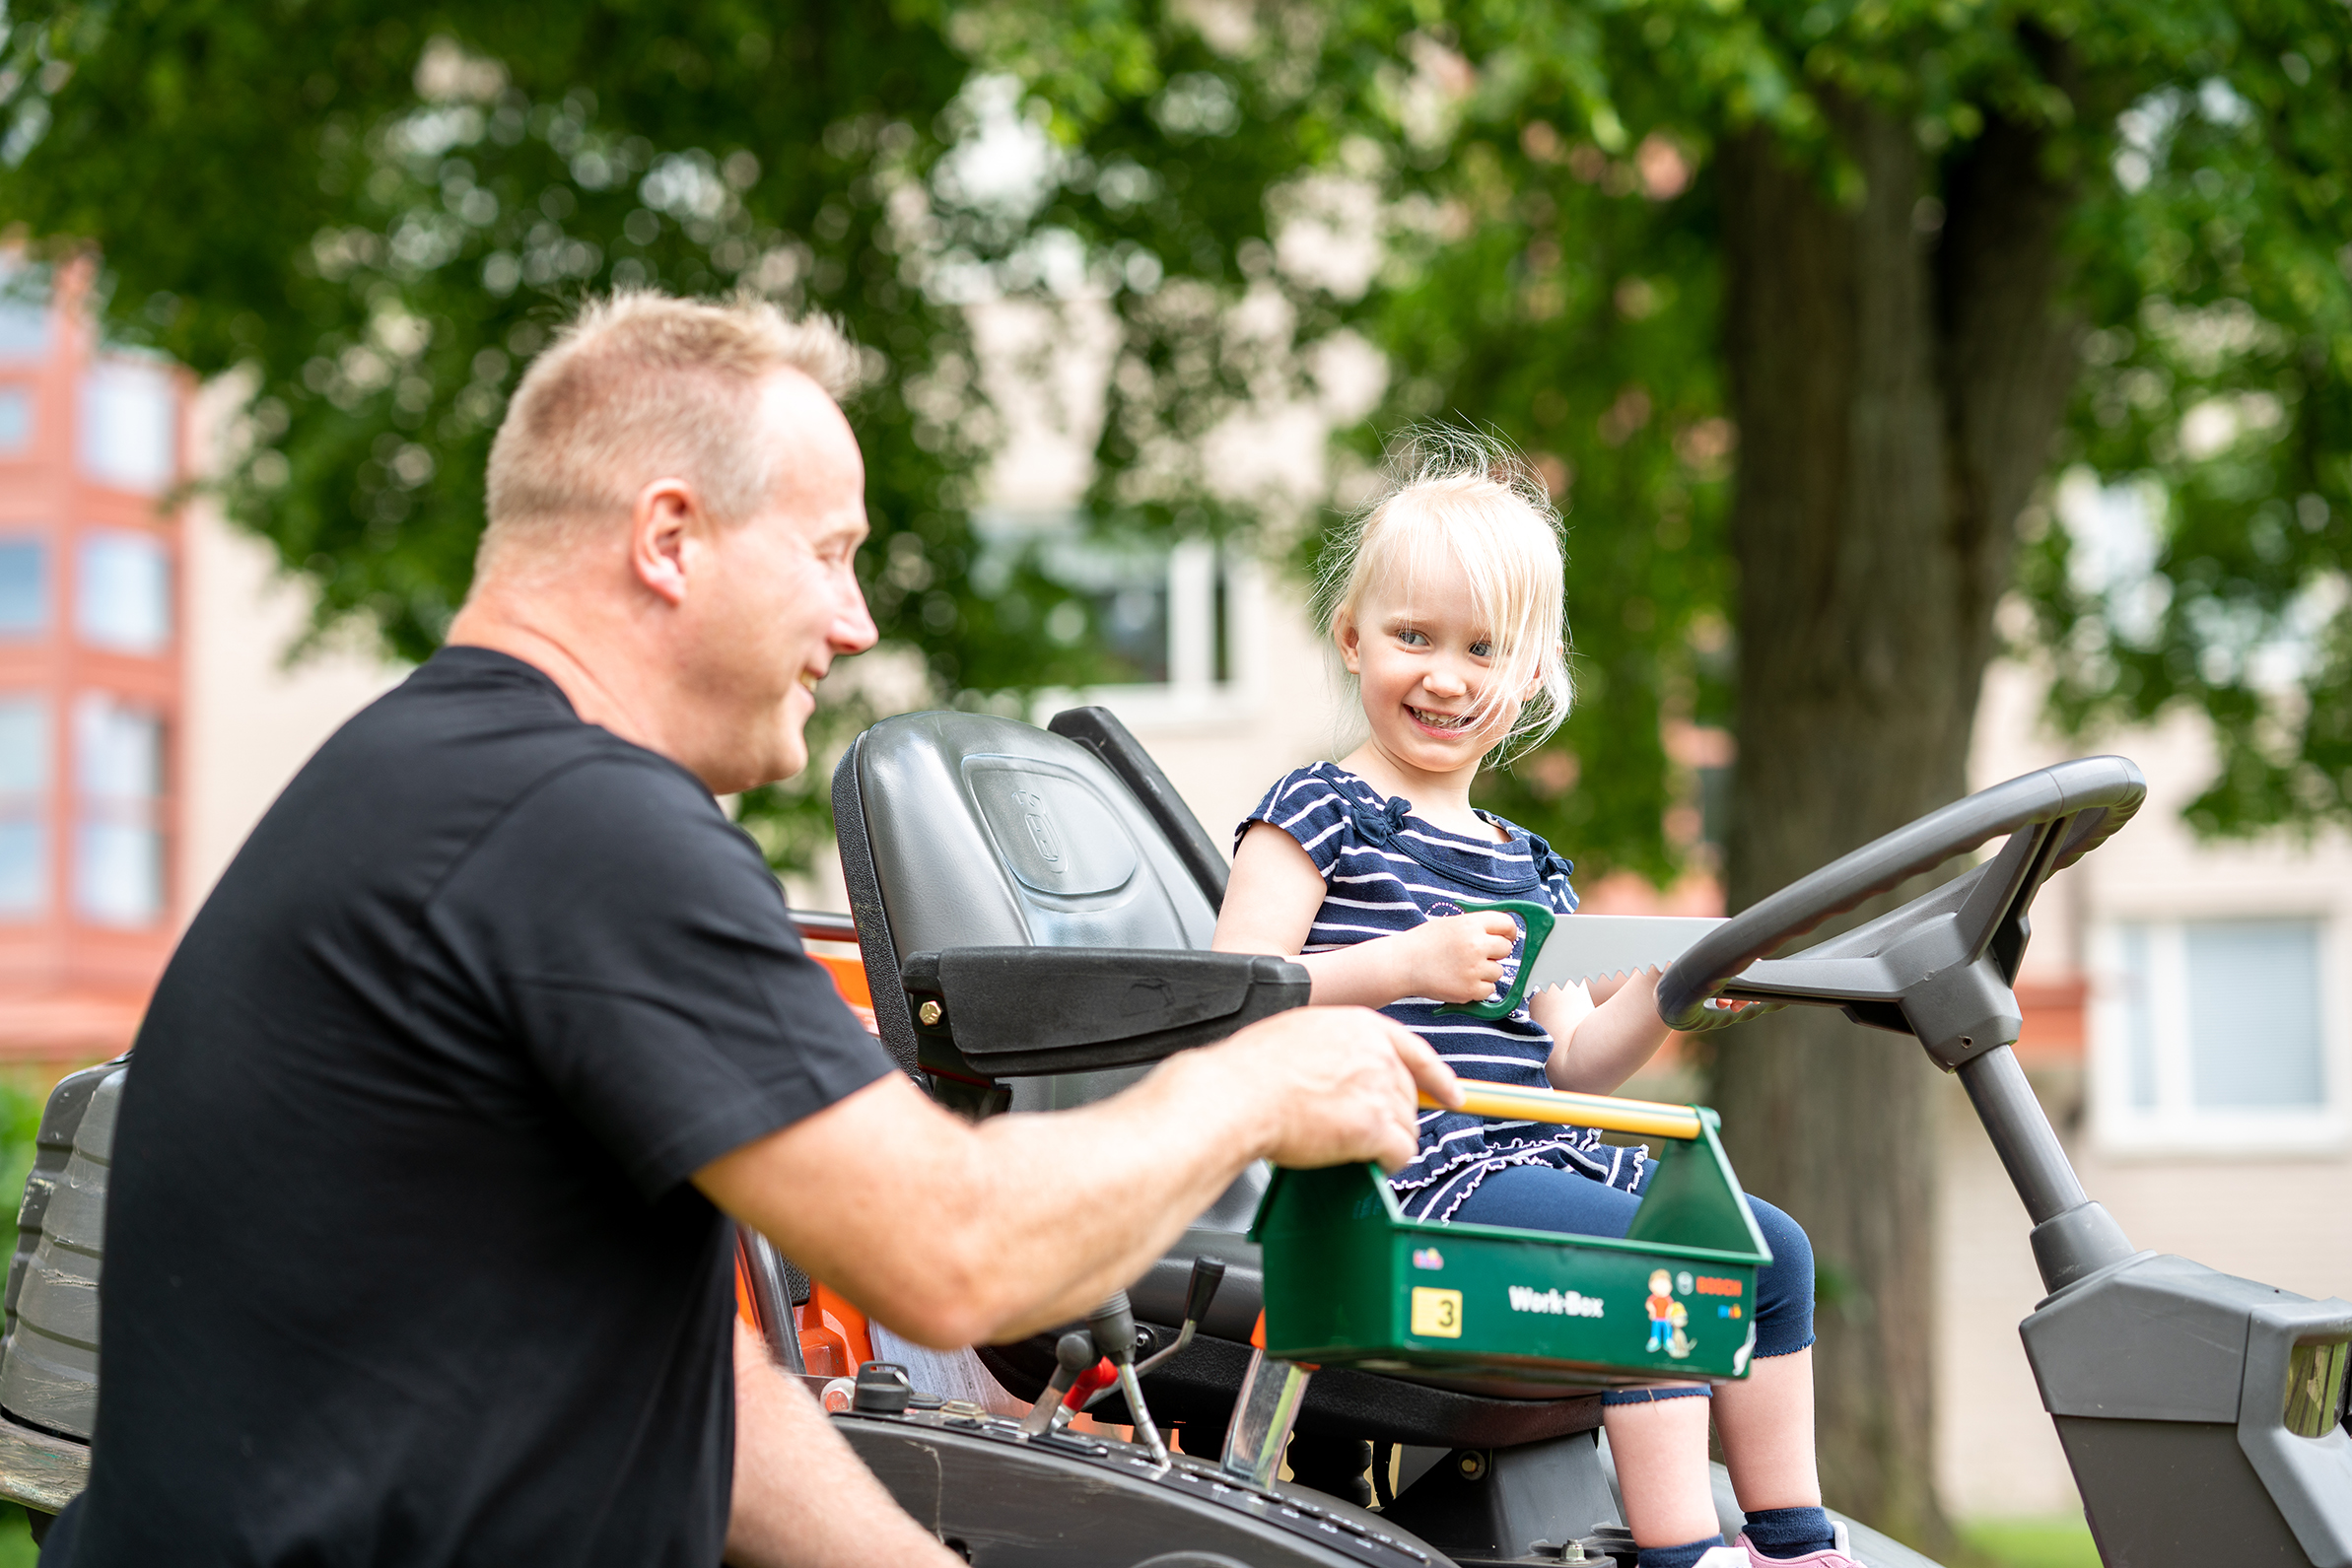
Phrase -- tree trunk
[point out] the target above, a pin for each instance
(1897, 391)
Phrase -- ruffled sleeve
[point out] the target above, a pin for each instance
(1309, 805)
(1553, 870)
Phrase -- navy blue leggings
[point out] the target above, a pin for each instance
(1547, 1197)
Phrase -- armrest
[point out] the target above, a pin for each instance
(990, 1012)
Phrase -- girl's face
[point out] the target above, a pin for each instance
(1422, 656)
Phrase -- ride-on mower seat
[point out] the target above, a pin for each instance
(1034, 909)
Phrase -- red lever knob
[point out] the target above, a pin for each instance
(1100, 1375)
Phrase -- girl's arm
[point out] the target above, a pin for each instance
(1599, 1044)
(1271, 901)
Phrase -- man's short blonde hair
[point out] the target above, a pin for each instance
(640, 386)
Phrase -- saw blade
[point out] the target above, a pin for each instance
(1589, 948)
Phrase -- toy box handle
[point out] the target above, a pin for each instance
(1538, 919)
(1649, 1119)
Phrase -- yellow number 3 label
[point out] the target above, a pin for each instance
(1436, 1313)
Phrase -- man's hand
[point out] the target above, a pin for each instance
(1337, 1082)
(1456, 957)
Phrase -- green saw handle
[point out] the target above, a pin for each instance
(1538, 919)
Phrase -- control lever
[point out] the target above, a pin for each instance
(1073, 1353)
(1113, 1325)
(1207, 1273)
(1093, 1381)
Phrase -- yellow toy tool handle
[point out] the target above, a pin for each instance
(1641, 1117)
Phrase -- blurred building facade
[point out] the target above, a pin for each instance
(92, 442)
(147, 717)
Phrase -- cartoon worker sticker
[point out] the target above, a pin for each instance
(1660, 1306)
(1679, 1345)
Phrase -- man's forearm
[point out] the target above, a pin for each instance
(801, 1497)
(952, 1234)
(989, 1233)
(1106, 1188)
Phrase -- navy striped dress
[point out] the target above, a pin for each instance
(1385, 871)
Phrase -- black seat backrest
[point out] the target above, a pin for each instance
(1098, 729)
(967, 830)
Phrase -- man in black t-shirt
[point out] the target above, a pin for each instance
(417, 1247)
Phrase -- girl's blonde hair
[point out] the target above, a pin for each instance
(1474, 497)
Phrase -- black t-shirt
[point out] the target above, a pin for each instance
(402, 1262)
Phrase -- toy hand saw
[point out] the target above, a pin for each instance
(1570, 949)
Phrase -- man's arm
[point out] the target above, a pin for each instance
(802, 1496)
(954, 1234)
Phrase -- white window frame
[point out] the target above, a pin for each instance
(128, 425)
(26, 396)
(105, 811)
(36, 805)
(1192, 696)
(141, 562)
(2174, 1127)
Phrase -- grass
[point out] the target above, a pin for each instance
(20, 1120)
(15, 1538)
(2030, 1542)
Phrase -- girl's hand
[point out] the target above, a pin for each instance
(1456, 957)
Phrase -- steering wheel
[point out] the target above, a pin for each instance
(2053, 818)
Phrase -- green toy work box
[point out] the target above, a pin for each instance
(1351, 1281)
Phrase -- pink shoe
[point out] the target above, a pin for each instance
(1838, 1555)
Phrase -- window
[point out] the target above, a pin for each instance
(127, 434)
(24, 806)
(24, 587)
(122, 594)
(1165, 612)
(2213, 1029)
(24, 316)
(118, 841)
(16, 420)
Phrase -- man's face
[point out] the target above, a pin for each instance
(775, 599)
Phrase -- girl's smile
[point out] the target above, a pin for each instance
(1423, 658)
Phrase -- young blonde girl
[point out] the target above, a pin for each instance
(1443, 598)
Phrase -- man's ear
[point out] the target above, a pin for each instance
(661, 521)
(1343, 632)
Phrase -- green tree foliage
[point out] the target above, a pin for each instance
(381, 225)
(2219, 379)
(2208, 152)
(1301, 177)
(1552, 265)
(379, 212)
